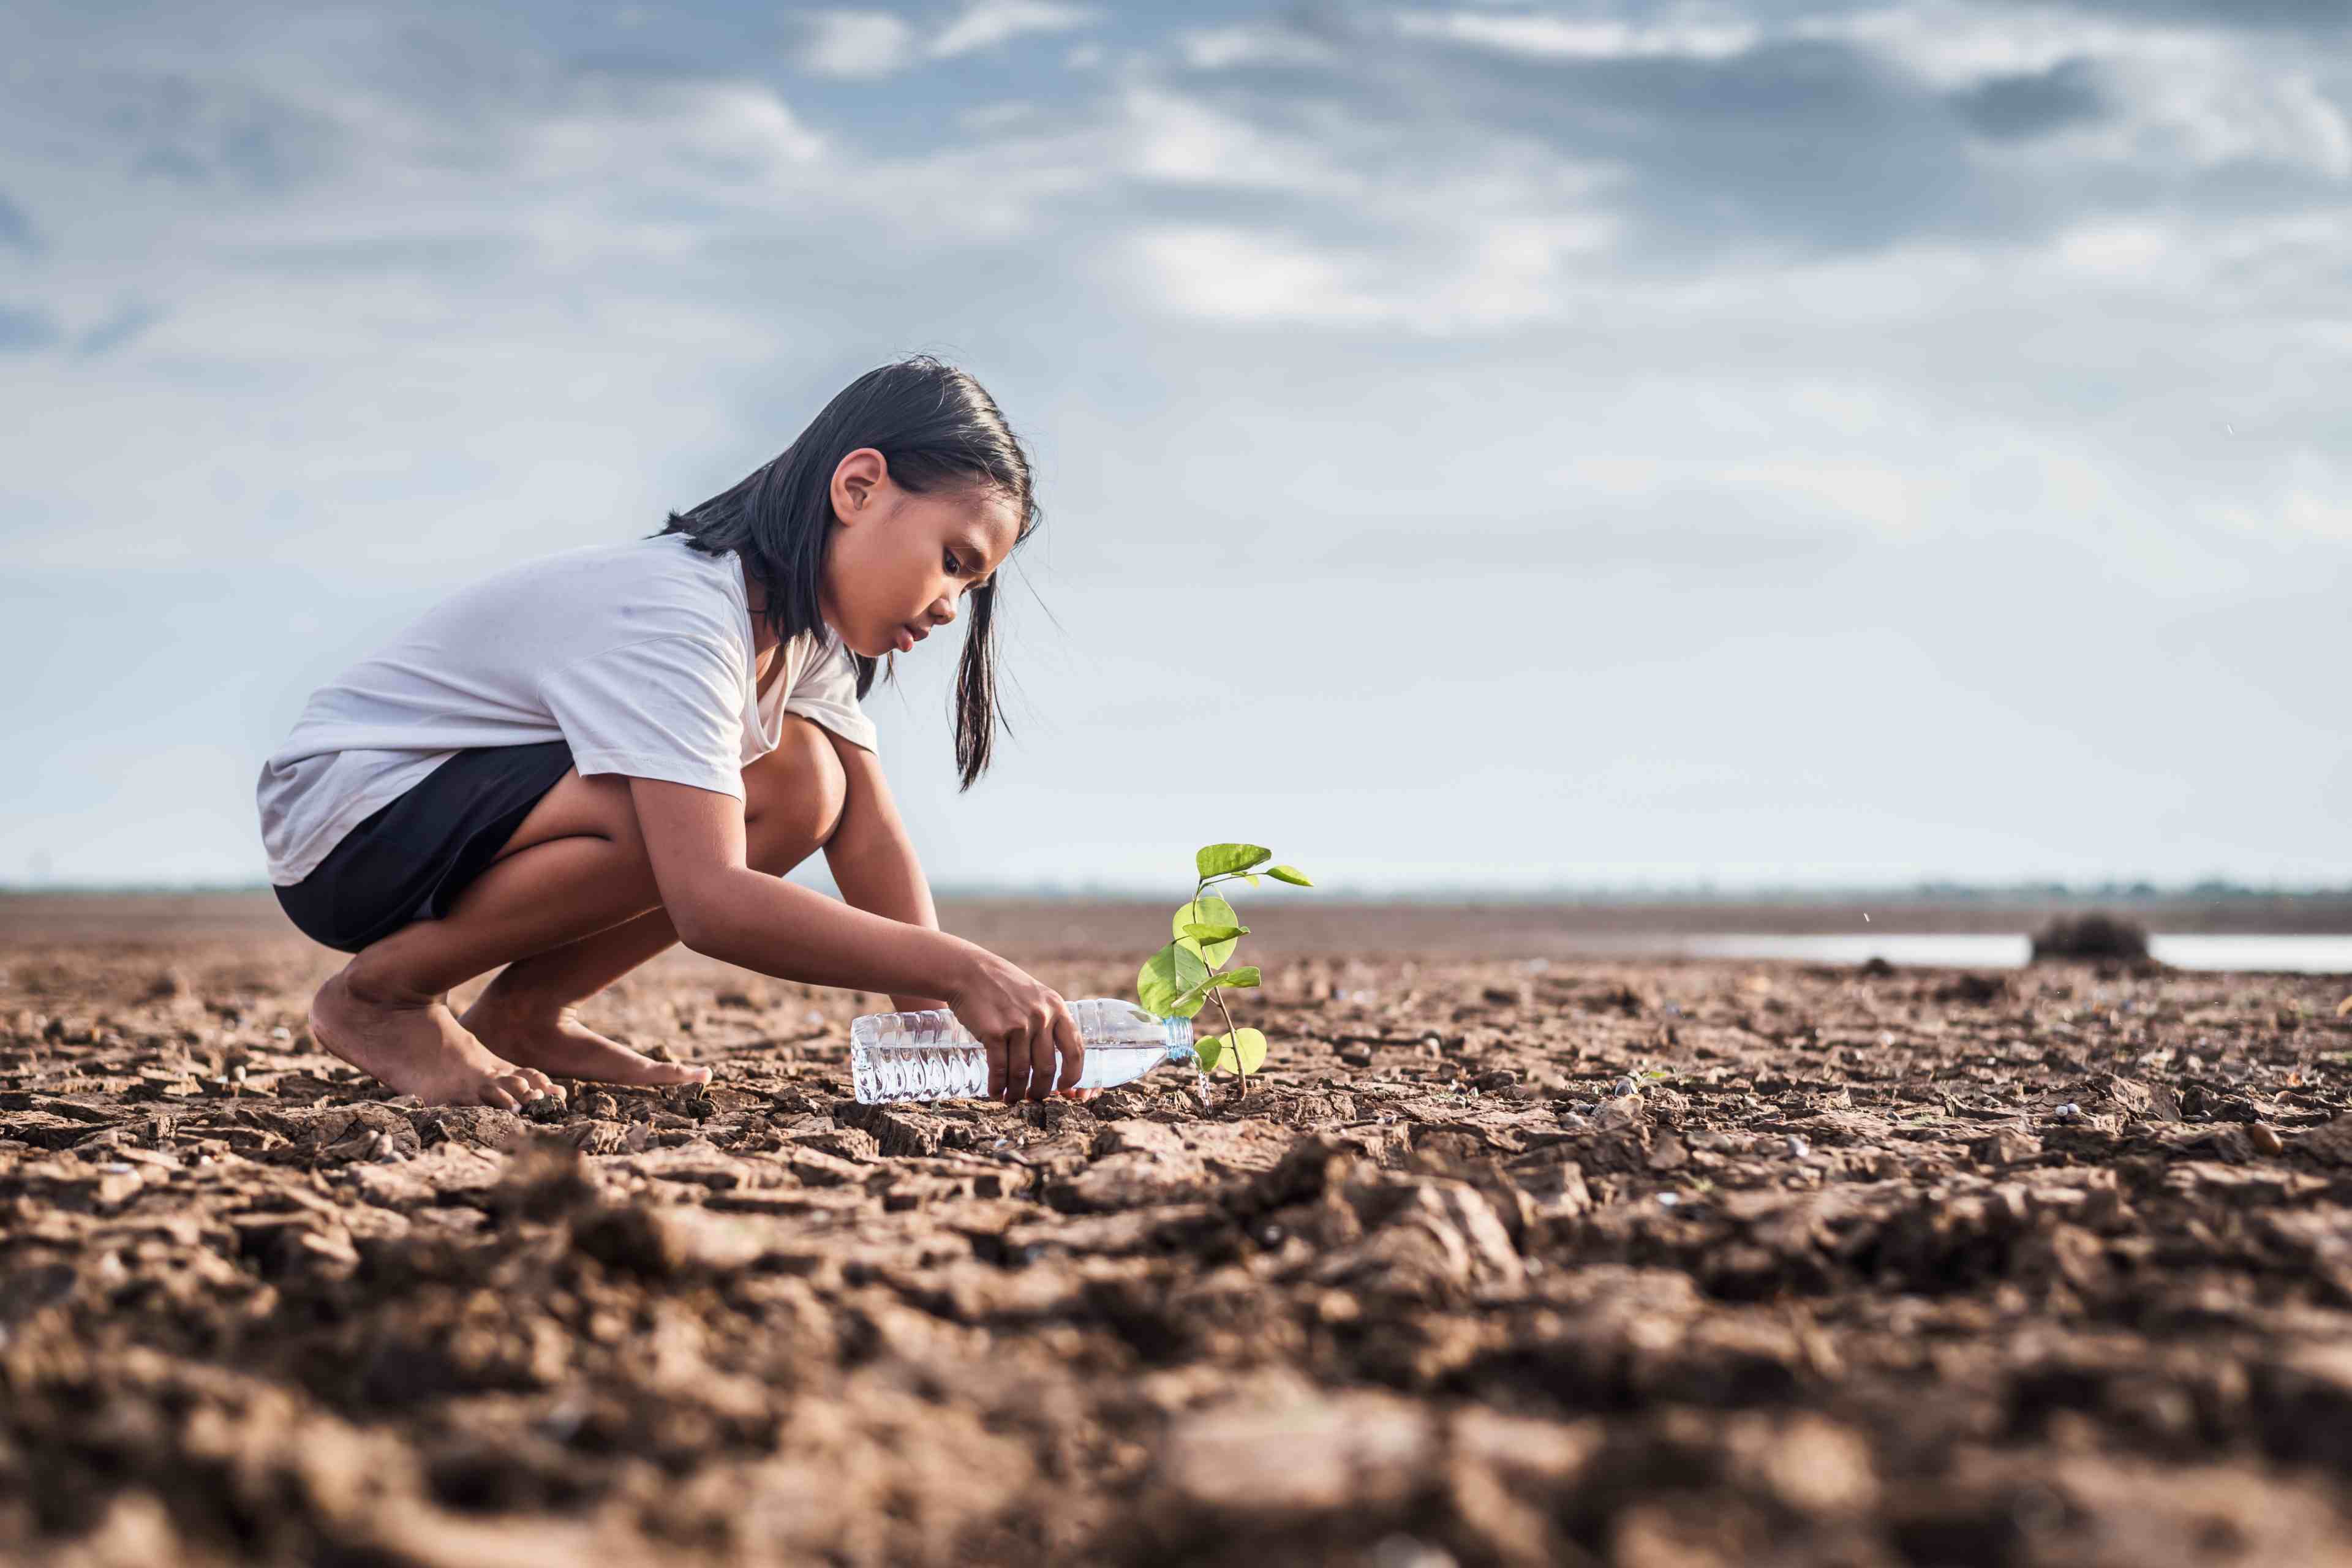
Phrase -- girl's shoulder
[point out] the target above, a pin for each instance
(612, 592)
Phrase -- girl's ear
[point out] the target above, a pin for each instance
(854, 482)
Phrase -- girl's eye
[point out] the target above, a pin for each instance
(955, 567)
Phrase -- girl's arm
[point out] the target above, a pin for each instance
(871, 857)
(720, 907)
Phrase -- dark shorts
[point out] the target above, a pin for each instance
(410, 860)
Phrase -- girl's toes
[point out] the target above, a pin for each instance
(539, 1081)
(493, 1095)
(518, 1084)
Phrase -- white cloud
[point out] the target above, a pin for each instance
(856, 44)
(735, 134)
(1236, 275)
(992, 22)
(1251, 44)
(2203, 95)
(1955, 44)
(1880, 493)
(1581, 38)
(1170, 136)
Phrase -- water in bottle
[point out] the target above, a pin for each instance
(931, 1056)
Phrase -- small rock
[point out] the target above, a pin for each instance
(2264, 1140)
(2070, 1112)
(1798, 1147)
(1625, 1085)
(1311, 1461)
(1409, 1551)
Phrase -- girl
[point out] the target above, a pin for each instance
(583, 759)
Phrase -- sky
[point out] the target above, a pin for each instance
(1478, 445)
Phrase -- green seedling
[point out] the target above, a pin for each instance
(1184, 977)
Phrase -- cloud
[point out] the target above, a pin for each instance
(1564, 37)
(2325, 17)
(992, 22)
(22, 329)
(856, 44)
(17, 228)
(867, 44)
(118, 329)
(2032, 103)
(1254, 44)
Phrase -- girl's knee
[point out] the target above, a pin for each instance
(798, 789)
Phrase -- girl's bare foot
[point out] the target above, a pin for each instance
(556, 1042)
(417, 1049)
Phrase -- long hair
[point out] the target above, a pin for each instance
(939, 429)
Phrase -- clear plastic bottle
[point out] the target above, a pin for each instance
(931, 1056)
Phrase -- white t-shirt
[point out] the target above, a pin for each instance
(638, 655)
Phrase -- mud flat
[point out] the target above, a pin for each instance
(1868, 1266)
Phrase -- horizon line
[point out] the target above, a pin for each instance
(2129, 890)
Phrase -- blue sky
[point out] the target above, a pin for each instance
(1596, 443)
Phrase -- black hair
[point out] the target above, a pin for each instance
(939, 429)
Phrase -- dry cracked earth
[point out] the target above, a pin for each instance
(1502, 1262)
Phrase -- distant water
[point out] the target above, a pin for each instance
(2300, 954)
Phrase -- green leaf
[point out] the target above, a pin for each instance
(1208, 909)
(1197, 997)
(1290, 874)
(1255, 879)
(1165, 976)
(1209, 1049)
(1201, 933)
(1217, 859)
(1190, 1003)
(1249, 1049)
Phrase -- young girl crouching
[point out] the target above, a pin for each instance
(578, 760)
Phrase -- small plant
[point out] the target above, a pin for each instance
(1182, 978)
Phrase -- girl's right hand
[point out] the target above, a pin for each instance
(1024, 1026)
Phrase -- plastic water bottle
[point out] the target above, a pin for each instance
(931, 1056)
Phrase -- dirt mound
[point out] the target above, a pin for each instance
(1504, 1266)
(2091, 936)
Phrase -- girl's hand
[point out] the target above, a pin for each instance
(1025, 1027)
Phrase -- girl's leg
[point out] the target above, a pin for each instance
(576, 868)
(530, 1016)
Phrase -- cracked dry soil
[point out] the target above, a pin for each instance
(1871, 1268)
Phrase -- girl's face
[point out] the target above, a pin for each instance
(897, 564)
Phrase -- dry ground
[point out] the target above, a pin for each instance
(1504, 1262)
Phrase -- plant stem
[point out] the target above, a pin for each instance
(1218, 997)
